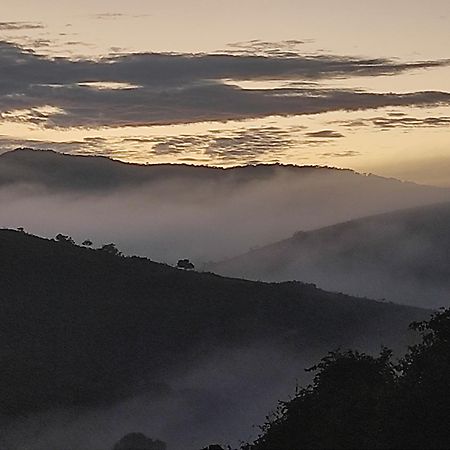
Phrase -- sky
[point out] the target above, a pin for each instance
(361, 85)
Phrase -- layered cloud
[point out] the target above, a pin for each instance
(18, 26)
(150, 88)
(398, 120)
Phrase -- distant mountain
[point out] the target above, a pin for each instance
(82, 329)
(402, 256)
(168, 212)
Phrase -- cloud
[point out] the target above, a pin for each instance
(229, 146)
(326, 134)
(112, 16)
(398, 120)
(411, 122)
(107, 16)
(18, 26)
(238, 146)
(186, 88)
(345, 154)
(286, 48)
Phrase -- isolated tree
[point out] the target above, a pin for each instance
(138, 441)
(111, 249)
(63, 238)
(87, 243)
(185, 264)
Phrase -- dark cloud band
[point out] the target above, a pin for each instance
(182, 88)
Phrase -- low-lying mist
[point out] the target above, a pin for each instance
(402, 256)
(170, 212)
(222, 400)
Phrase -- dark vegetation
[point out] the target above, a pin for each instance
(357, 401)
(185, 264)
(402, 256)
(83, 327)
(138, 441)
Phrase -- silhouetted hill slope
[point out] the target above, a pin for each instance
(81, 327)
(402, 256)
(174, 211)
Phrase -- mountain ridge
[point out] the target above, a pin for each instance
(28, 156)
(412, 243)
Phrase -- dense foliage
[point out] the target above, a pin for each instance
(364, 402)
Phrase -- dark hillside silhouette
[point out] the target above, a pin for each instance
(83, 327)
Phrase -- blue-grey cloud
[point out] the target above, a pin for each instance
(184, 88)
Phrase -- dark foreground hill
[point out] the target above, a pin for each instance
(82, 329)
(172, 211)
(402, 256)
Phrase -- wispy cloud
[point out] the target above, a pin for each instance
(224, 146)
(325, 134)
(107, 16)
(398, 120)
(18, 26)
(241, 145)
(343, 154)
(117, 15)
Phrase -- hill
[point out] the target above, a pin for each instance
(168, 212)
(84, 330)
(402, 256)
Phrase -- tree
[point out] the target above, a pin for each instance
(138, 441)
(185, 264)
(111, 249)
(62, 238)
(213, 447)
(87, 243)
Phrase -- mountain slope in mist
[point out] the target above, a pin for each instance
(84, 331)
(168, 212)
(402, 256)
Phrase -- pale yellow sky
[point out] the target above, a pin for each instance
(417, 149)
(400, 28)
